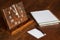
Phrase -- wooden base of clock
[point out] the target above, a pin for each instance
(19, 28)
(22, 27)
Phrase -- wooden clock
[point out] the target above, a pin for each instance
(14, 15)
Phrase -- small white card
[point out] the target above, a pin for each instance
(36, 33)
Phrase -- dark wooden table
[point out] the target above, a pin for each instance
(53, 32)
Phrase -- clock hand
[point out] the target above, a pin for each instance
(15, 11)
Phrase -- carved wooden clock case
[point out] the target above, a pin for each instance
(15, 17)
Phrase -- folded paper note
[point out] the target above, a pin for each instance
(45, 17)
(36, 33)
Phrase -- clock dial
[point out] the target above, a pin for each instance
(15, 15)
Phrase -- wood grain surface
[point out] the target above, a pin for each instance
(53, 32)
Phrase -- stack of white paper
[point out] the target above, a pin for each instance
(36, 33)
(45, 18)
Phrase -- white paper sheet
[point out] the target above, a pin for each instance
(44, 17)
(36, 33)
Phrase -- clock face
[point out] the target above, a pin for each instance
(15, 15)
